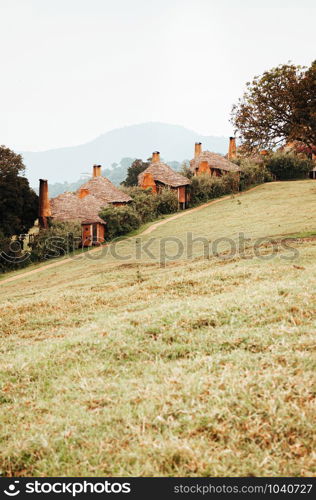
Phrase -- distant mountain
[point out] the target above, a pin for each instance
(136, 141)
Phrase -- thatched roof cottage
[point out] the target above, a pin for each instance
(206, 162)
(159, 175)
(84, 205)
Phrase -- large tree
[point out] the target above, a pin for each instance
(277, 107)
(18, 202)
(133, 171)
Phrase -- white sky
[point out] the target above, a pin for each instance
(74, 69)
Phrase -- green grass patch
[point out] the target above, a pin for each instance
(201, 367)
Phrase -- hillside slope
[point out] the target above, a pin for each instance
(135, 141)
(169, 366)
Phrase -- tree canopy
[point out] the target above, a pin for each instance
(277, 107)
(18, 202)
(133, 171)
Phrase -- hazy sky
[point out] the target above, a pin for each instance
(74, 69)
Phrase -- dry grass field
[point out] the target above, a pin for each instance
(118, 363)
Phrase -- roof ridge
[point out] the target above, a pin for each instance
(163, 173)
(215, 160)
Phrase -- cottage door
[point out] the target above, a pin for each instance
(86, 235)
(95, 233)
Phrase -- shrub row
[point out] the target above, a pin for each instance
(59, 239)
(252, 174)
(144, 208)
(206, 187)
(62, 238)
(287, 166)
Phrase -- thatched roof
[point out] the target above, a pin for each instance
(161, 172)
(101, 192)
(68, 206)
(104, 190)
(215, 161)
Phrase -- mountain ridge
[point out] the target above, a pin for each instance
(175, 142)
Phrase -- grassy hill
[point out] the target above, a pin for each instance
(160, 366)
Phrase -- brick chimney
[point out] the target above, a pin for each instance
(232, 152)
(155, 157)
(197, 149)
(97, 170)
(44, 207)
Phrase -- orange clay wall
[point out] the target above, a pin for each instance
(87, 234)
(181, 194)
(148, 182)
(203, 168)
(101, 233)
(83, 192)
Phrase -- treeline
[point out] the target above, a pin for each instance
(18, 208)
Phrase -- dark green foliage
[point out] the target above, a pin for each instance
(145, 207)
(252, 174)
(185, 170)
(206, 187)
(150, 206)
(18, 202)
(166, 202)
(144, 203)
(11, 254)
(133, 171)
(286, 166)
(59, 239)
(120, 220)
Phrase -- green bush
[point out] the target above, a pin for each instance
(120, 220)
(185, 170)
(285, 166)
(253, 174)
(144, 203)
(59, 239)
(145, 207)
(150, 206)
(133, 172)
(206, 187)
(166, 201)
(12, 256)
